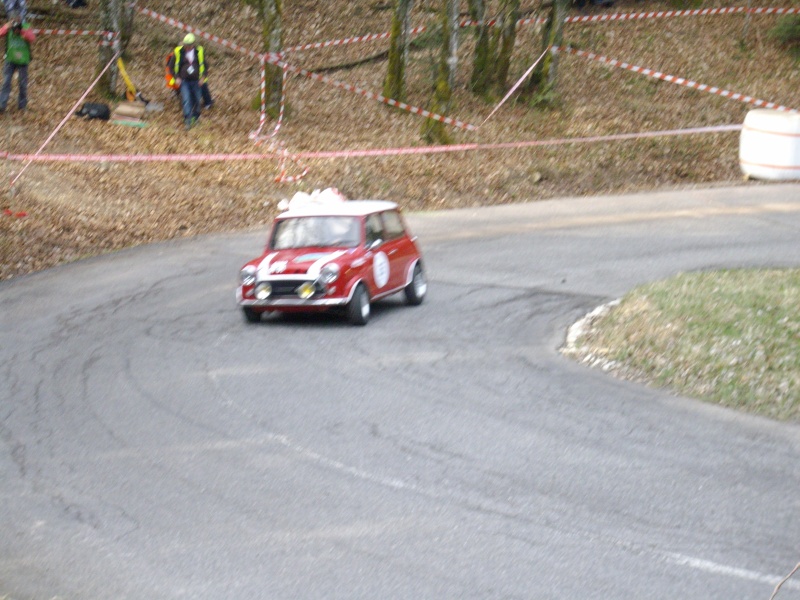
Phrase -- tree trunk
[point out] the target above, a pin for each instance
(543, 79)
(493, 48)
(394, 85)
(110, 21)
(116, 16)
(434, 130)
(507, 36)
(481, 74)
(271, 14)
(451, 36)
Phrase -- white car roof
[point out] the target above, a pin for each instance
(344, 208)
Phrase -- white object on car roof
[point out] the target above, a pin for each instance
(330, 202)
(317, 197)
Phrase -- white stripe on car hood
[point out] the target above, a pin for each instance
(264, 264)
(314, 269)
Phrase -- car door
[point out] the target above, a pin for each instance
(380, 268)
(397, 247)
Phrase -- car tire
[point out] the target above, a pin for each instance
(358, 308)
(416, 290)
(251, 315)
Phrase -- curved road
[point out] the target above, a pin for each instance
(153, 445)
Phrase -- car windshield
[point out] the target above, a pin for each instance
(303, 232)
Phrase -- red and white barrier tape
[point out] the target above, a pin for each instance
(367, 153)
(256, 135)
(351, 40)
(676, 80)
(263, 117)
(574, 19)
(282, 176)
(389, 101)
(214, 38)
(276, 146)
(702, 12)
(365, 38)
(107, 36)
(276, 60)
(73, 32)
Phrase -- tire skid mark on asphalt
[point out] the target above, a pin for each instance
(503, 510)
(221, 445)
(246, 370)
(432, 357)
(719, 569)
(482, 505)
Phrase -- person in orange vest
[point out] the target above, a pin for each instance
(19, 38)
(189, 69)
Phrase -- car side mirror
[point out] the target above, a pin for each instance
(375, 244)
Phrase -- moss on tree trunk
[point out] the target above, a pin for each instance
(394, 85)
(506, 38)
(271, 14)
(434, 130)
(542, 82)
(480, 79)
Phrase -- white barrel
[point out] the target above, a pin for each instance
(769, 147)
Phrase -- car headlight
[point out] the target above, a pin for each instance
(263, 290)
(306, 290)
(248, 275)
(329, 273)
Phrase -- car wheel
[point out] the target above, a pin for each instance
(415, 291)
(358, 308)
(251, 315)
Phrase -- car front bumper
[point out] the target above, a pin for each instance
(284, 301)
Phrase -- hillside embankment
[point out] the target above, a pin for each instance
(78, 209)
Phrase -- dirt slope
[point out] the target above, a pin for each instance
(75, 210)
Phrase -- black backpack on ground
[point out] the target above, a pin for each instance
(95, 110)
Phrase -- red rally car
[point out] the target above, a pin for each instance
(328, 253)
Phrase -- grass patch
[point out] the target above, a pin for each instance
(729, 337)
(787, 33)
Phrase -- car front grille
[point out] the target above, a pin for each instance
(282, 288)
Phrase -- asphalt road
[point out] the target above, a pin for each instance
(154, 445)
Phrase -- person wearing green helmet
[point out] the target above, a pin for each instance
(188, 67)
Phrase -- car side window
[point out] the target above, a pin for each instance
(392, 225)
(374, 229)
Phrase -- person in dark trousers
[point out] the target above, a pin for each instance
(19, 38)
(188, 67)
(208, 101)
(19, 7)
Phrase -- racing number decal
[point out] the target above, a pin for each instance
(380, 269)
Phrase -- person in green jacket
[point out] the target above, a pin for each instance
(19, 38)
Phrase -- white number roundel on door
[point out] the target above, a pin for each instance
(380, 269)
